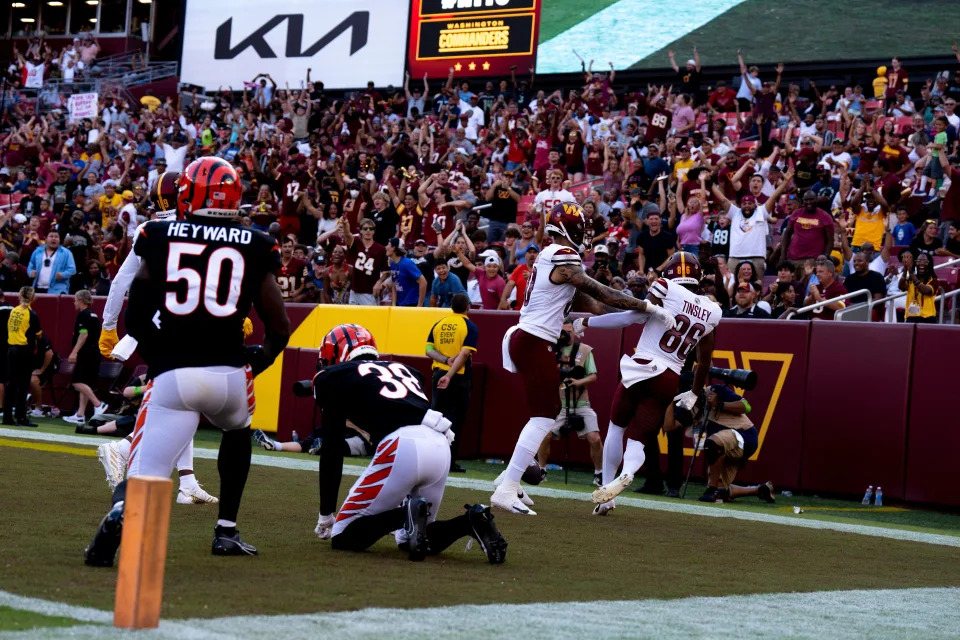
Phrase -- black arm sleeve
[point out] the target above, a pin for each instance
(140, 311)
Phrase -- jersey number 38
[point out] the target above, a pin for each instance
(396, 378)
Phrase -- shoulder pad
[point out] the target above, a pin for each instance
(565, 255)
(659, 288)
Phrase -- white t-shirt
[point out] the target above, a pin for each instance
(547, 198)
(748, 236)
(45, 275)
(842, 158)
(744, 90)
(877, 265)
(175, 157)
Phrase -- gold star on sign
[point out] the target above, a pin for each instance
(457, 67)
(472, 66)
(486, 66)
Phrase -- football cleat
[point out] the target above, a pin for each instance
(103, 548)
(113, 463)
(508, 498)
(611, 490)
(521, 494)
(484, 531)
(415, 527)
(598, 480)
(604, 508)
(195, 496)
(264, 441)
(230, 544)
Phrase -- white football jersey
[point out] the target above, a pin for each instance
(547, 198)
(696, 317)
(546, 304)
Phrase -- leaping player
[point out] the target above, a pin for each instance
(651, 376)
(114, 455)
(557, 285)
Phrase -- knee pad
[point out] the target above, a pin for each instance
(712, 451)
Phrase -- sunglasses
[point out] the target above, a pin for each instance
(366, 229)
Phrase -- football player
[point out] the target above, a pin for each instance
(650, 377)
(196, 283)
(556, 284)
(400, 491)
(114, 455)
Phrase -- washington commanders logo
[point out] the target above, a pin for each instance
(573, 209)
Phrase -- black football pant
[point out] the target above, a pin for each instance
(674, 475)
(366, 530)
(453, 403)
(19, 368)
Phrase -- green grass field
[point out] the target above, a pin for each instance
(52, 501)
(768, 32)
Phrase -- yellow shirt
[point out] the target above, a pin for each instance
(105, 201)
(449, 336)
(918, 304)
(22, 326)
(680, 169)
(879, 87)
(869, 227)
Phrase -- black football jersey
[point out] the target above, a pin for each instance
(204, 277)
(377, 396)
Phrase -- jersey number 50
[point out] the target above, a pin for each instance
(207, 286)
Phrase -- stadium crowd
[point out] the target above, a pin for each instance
(790, 193)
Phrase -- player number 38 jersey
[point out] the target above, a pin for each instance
(696, 317)
(546, 304)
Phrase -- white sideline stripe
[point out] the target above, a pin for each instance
(283, 462)
(921, 613)
(641, 28)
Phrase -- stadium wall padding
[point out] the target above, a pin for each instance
(839, 405)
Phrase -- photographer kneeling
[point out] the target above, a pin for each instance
(731, 440)
(577, 372)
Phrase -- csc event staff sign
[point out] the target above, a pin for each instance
(475, 37)
(345, 44)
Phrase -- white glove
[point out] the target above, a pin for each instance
(663, 316)
(324, 528)
(685, 400)
(578, 327)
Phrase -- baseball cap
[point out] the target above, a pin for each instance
(692, 62)
(20, 218)
(601, 249)
(533, 248)
(4, 171)
(491, 260)
(127, 195)
(160, 161)
(743, 286)
(318, 259)
(748, 198)
(683, 147)
(420, 241)
(394, 242)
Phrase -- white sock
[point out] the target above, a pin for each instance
(923, 184)
(633, 457)
(226, 523)
(189, 481)
(185, 459)
(123, 448)
(528, 443)
(597, 471)
(612, 452)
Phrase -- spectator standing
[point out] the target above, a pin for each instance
(520, 278)
(409, 285)
(445, 286)
(368, 260)
(85, 357)
(489, 281)
(51, 266)
(862, 278)
(451, 345)
(23, 327)
(809, 232)
(921, 286)
(654, 245)
(503, 201)
(748, 76)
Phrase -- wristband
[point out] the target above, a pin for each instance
(136, 392)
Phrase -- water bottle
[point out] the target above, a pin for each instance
(878, 498)
(295, 437)
(867, 495)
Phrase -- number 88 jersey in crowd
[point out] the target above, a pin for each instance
(204, 274)
(658, 348)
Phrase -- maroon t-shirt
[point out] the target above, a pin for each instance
(368, 263)
(896, 80)
(811, 232)
(290, 277)
(490, 289)
(835, 289)
(950, 209)
(897, 157)
(289, 185)
(658, 124)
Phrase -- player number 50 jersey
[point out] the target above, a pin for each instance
(696, 317)
(546, 304)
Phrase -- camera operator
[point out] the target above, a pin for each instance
(577, 372)
(731, 440)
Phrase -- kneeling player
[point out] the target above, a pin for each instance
(403, 485)
(651, 376)
(355, 442)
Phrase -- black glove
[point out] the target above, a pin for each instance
(256, 358)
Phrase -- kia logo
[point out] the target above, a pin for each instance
(358, 23)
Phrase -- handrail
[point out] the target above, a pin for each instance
(942, 298)
(891, 313)
(823, 303)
